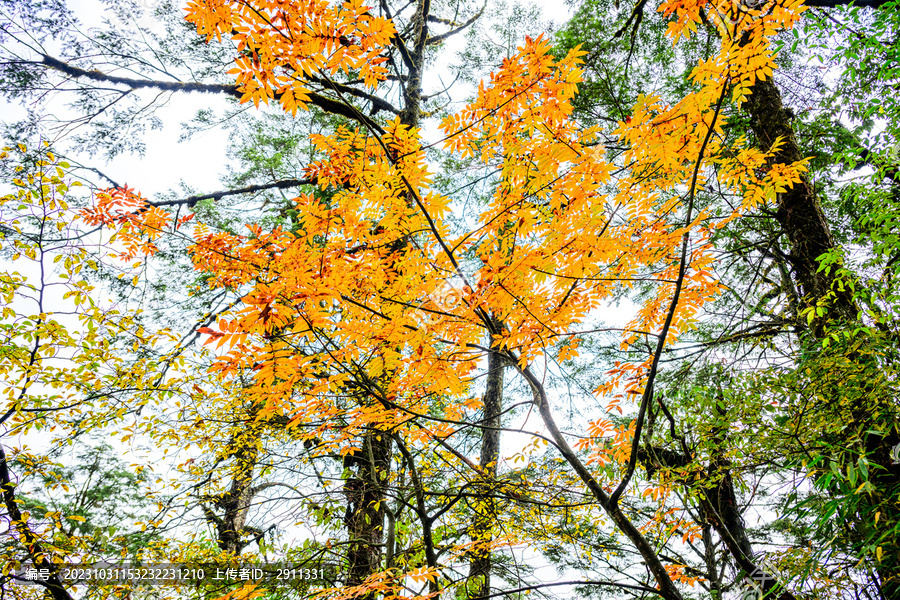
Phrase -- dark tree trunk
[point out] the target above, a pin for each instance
(718, 508)
(800, 215)
(479, 581)
(799, 211)
(367, 505)
(236, 503)
(228, 513)
(712, 566)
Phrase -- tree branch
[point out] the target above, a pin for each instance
(190, 201)
(676, 295)
(651, 559)
(440, 38)
(326, 104)
(377, 103)
(171, 86)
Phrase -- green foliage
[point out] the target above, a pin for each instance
(98, 498)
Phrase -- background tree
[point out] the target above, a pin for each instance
(771, 254)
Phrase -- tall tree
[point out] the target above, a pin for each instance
(810, 287)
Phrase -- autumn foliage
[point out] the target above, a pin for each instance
(367, 318)
(340, 324)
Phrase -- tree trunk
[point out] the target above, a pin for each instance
(799, 211)
(479, 580)
(366, 506)
(718, 508)
(236, 503)
(231, 527)
(800, 215)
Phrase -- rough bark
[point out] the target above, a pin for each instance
(800, 215)
(366, 506)
(712, 568)
(231, 527)
(799, 210)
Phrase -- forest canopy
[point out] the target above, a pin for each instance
(484, 306)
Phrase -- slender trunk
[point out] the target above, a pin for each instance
(712, 570)
(479, 581)
(236, 503)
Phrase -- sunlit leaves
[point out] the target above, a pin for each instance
(283, 43)
(370, 277)
(137, 224)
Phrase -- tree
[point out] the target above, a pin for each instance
(799, 226)
(63, 369)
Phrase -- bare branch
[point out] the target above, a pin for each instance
(326, 104)
(191, 201)
(440, 38)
